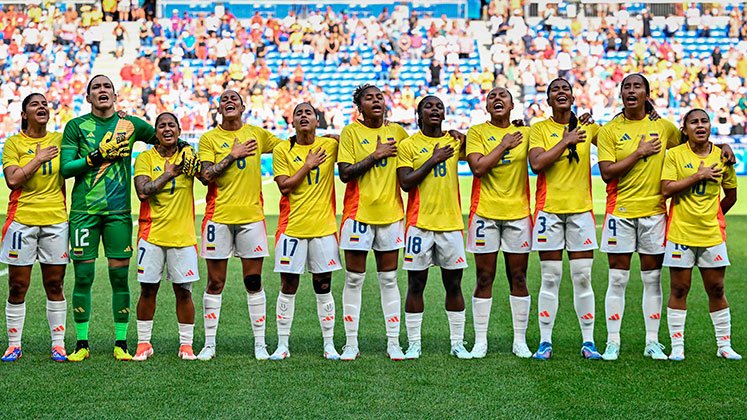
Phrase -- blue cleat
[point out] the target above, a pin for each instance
(544, 352)
(58, 354)
(12, 354)
(589, 351)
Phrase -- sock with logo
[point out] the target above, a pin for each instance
(15, 315)
(84, 273)
(391, 301)
(285, 308)
(614, 302)
(481, 318)
(520, 315)
(547, 304)
(583, 296)
(676, 320)
(652, 300)
(211, 307)
(351, 305)
(56, 317)
(325, 310)
(722, 326)
(257, 303)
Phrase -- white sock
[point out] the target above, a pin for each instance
(456, 326)
(56, 317)
(481, 318)
(325, 310)
(614, 302)
(547, 304)
(351, 305)
(413, 322)
(520, 306)
(15, 315)
(676, 320)
(144, 330)
(211, 307)
(722, 326)
(286, 305)
(186, 334)
(583, 296)
(257, 303)
(391, 302)
(652, 303)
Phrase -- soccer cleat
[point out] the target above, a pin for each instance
(143, 352)
(479, 350)
(654, 351)
(413, 351)
(520, 350)
(544, 352)
(12, 354)
(260, 352)
(282, 352)
(678, 354)
(349, 353)
(728, 353)
(612, 352)
(58, 354)
(589, 351)
(394, 351)
(79, 355)
(330, 353)
(186, 352)
(121, 354)
(460, 351)
(207, 353)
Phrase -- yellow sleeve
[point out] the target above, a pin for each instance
(345, 154)
(10, 154)
(606, 146)
(332, 148)
(268, 141)
(592, 130)
(205, 147)
(279, 163)
(143, 164)
(536, 138)
(672, 133)
(401, 133)
(669, 173)
(474, 142)
(730, 178)
(404, 156)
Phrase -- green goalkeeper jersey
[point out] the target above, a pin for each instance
(102, 189)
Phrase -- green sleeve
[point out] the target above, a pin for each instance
(143, 131)
(71, 164)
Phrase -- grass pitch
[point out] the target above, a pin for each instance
(437, 385)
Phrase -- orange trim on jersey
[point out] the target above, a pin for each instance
(541, 194)
(212, 194)
(145, 221)
(721, 222)
(669, 220)
(12, 207)
(612, 196)
(350, 202)
(413, 207)
(529, 196)
(282, 217)
(474, 198)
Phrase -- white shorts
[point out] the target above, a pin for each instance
(681, 256)
(645, 235)
(23, 245)
(573, 232)
(357, 236)
(318, 255)
(485, 236)
(180, 263)
(424, 248)
(220, 242)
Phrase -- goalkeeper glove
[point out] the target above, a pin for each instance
(111, 148)
(188, 160)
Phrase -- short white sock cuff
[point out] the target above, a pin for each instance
(16, 308)
(324, 297)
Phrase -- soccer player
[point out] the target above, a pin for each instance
(559, 152)
(234, 222)
(499, 217)
(427, 170)
(304, 170)
(36, 225)
(693, 176)
(372, 215)
(96, 151)
(164, 177)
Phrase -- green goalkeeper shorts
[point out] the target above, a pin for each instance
(114, 230)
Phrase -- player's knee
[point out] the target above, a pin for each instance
(453, 287)
(215, 287)
(148, 291)
(484, 280)
(679, 291)
(253, 283)
(53, 288)
(716, 291)
(518, 282)
(17, 288)
(322, 283)
(183, 292)
(415, 285)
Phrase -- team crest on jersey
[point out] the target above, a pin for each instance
(157, 169)
(365, 141)
(224, 145)
(689, 166)
(625, 137)
(424, 150)
(297, 159)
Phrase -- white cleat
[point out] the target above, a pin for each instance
(330, 353)
(460, 351)
(612, 352)
(394, 351)
(678, 354)
(207, 353)
(413, 351)
(349, 353)
(281, 353)
(728, 353)
(520, 350)
(655, 351)
(479, 351)
(260, 352)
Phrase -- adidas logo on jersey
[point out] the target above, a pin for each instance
(525, 244)
(365, 141)
(29, 152)
(718, 258)
(424, 150)
(459, 260)
(190, 273)
(587, 241)
(258, 248)
(331, 263)
(224, 145)
(297, 159)
(689, 166)
(90, 135)
(398, 241)
(554, 135)
(625, 137)
(492, 138)
(157, 169)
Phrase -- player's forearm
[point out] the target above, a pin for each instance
(412, 178)
(73, 167)
(730, 198)
(540, 159)
(671, 188)
(349, 172)
(211, 171)
(145, 187)
(616, 170)
(483, 164)
(17, 176)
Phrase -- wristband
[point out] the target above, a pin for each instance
(94, 158)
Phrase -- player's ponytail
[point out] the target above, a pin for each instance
(24, 105)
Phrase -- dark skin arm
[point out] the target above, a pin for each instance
(210, 171)
(540, 159)
(287, 184)
(16, 176)
(730, 198)
(481, 164)
(349, 172)
(410, 178)
(145, 187)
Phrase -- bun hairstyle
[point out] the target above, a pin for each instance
(683, 136)
(24, 105)
(292, 138)
(419, 110)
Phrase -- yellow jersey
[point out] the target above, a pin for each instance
(309, 210)
(235, 197)
(637, 193)
(41, 200)
(564, 187)
(503, 192)
(167, 218)
(695, 217)
(434, 204)
(374, 197)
